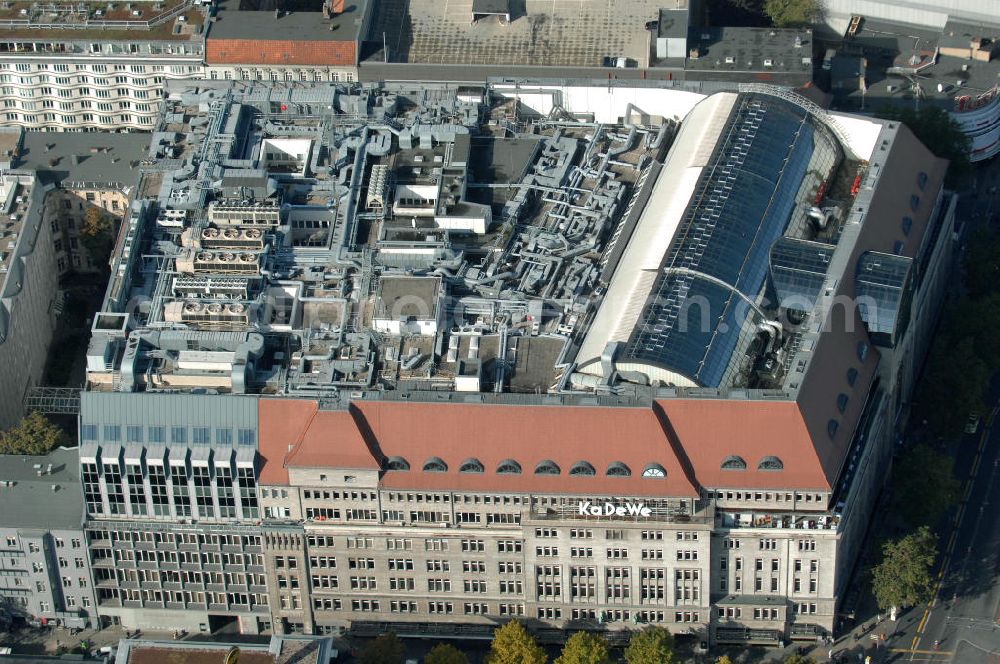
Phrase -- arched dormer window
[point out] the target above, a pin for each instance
(770, 463)
(654, 470)
(547, 467)
(471, 466)
(397, 463)
(508, 467)
(852, 376)
(831, 427)
(618, 469)
(435, 465)
(582, 468)
(733, 463)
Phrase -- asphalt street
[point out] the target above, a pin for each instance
(960, 623)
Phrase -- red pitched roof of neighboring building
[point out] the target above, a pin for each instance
(295, 433)
(689, 438)
(280, 52)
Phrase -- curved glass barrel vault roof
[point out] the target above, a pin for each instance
(740, 168)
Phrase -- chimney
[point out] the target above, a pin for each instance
(336, 7)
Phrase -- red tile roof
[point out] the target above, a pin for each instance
(528, 435)
(340, 53)
(710, 430)
(295, 433)
(689, 438)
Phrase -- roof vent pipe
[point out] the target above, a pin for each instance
(608, 360)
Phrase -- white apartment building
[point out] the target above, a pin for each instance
(97, 69)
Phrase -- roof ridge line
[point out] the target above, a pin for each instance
(300, 438)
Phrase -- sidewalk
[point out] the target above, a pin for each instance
(49, 640)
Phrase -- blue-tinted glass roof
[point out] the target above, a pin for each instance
(741, 206)
(798, 268)
(880, 287)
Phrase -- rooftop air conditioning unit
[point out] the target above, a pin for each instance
(730, 60)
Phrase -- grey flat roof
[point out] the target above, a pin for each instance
(749, 48)
(102, 157)
(491, 7)
(235, 23)
(673, 23)
(886, 45)
(32, 502)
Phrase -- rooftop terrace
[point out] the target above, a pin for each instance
(148, 20)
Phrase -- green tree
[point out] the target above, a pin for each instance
(97, 235)
(653, 645)
(799, 659)
(903, 577)
(793, 13)
(982, 264)
(942, 136)
(445, 653)
(723, 659)
(34, 434)
(513, 645)
(385, 649)
(953, 384)
(925, 485)
(584, 648)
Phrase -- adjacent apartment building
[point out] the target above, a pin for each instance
(84, 67)
(27, 289)
(654, 378)
(44, 566)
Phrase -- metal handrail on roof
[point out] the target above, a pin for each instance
(99, 24)
(810, 107)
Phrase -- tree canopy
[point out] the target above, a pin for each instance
(965, 353)
(34, 434)
(793, 13)
(799, 659)
(982, 264)
(653, 645)
(513, 645)
(445, 653)
(584, 648)
(903, 577)
(97, 235)
(925, 485)
(942, 136)
(384, 649)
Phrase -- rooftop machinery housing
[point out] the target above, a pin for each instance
(443, 325)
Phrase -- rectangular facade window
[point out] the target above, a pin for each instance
(200, 436)
(88, 432)
(157, 434)
(224, 436)
(178, 435)
(247, 437)
(112, 433)
(134, 434)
